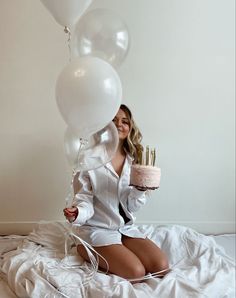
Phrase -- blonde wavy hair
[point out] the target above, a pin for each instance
(132, 144)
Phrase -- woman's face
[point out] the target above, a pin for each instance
(122, 124)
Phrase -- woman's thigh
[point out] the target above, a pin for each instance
(120, 259)
(151, 256)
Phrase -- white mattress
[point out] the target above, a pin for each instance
(31, 267)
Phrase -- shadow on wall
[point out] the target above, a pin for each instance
(33, 186)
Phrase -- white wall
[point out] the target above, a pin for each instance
(178, 80)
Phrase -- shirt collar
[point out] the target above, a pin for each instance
(129, 159)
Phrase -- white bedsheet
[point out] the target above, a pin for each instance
(35, 266)
(228, 241)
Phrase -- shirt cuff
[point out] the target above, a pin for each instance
(136, 193)
(82, 216)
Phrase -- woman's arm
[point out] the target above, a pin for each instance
(83, 200)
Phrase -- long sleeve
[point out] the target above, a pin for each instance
(83, 200)
(136, 199)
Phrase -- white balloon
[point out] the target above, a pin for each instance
(101, 33)
(92, 153)
(88, 94)
(66, 12)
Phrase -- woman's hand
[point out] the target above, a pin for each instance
(71, 213)
(141, 188)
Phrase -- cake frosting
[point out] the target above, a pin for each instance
(145, 176)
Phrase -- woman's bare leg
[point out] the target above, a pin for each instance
(121, 260)
(150, 255)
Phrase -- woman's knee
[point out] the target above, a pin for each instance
(161, 265)
(136, 271)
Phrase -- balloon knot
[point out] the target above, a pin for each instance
(67, 29)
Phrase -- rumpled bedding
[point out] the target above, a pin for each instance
(36, 266)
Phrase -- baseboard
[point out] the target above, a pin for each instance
(205, 227)
(17, 228)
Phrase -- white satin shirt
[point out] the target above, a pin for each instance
(99, 222)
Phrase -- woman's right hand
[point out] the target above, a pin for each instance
(71, 213)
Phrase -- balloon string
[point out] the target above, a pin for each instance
(70, 196)
(83, 142)
(67, 31)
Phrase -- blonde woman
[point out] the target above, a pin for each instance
(104, 206)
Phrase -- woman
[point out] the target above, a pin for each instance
(103, 210)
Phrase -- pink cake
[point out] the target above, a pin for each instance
(145, 176)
